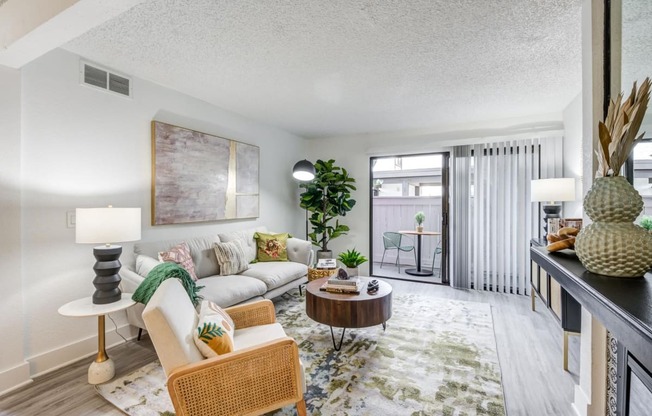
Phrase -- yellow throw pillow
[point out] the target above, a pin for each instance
(272, 247)
(214, 334)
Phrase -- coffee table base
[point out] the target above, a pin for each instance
(423, 272)
(335, 346)
(339, 347)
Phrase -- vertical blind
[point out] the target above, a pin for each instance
(492, 218)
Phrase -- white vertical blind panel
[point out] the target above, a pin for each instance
(500, 217)
(493, 214)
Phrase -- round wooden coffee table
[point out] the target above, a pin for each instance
(346, 310)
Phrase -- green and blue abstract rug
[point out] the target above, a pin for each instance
(437, 357)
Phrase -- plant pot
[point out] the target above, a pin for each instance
(419, 228)
(613, 245)
(324, 254)
(351, 271)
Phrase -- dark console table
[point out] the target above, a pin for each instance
(624, 307)
(562, 305)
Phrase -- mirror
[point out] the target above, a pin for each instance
(637, 50)
(636, 65)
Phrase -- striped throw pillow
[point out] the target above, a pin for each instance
(231, 257)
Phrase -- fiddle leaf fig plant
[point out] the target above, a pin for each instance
(327, 197)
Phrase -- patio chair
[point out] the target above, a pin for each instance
(434, 257)
(394, 241)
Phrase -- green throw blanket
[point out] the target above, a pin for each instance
(163, 271)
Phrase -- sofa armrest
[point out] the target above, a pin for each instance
(254, 380)
(300, 251)
(130, 280)
(252, 314)
(129, 283)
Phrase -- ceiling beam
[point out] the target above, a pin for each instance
(31, 28)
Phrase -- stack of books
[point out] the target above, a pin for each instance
(326, 264)
(336, 285)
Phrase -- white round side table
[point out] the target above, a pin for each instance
(102, 369)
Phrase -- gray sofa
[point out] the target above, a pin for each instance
(263, 280)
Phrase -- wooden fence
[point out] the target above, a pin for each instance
(397, 213)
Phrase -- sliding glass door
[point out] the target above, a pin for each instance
(400, 187)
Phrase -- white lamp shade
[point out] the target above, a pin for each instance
(553, 189)
(107, 225)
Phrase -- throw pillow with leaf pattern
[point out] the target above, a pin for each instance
(214, 334)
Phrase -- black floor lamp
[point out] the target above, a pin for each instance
(304, 171)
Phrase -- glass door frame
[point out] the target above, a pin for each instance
(445, 210)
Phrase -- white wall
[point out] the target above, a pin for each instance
(83, 148)
(573, 154)
(13, 367)
(353, 153)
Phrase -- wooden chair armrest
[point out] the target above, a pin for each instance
(252, 314)
(251, 381)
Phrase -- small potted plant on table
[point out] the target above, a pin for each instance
(419, 217)
(351, 259)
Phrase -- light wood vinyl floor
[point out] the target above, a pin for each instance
(528, 343)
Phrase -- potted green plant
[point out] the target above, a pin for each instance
(378, 183)
(646, 222)
(419, 218)
(351, 259)
(327, 197)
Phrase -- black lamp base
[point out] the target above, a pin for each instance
(551, 211)
(107, 278)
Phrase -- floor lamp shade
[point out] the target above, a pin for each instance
(550, 191)
(107, 226)
(304, 171)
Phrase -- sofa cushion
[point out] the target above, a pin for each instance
(231, 257)
(180, 254)
(201, 250)
(271, 247)
(232, 289)
(256, 335)
(275, 274)
(145, 264)
(247, 236)
(214, 334)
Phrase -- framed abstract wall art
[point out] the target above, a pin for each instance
(199, 177)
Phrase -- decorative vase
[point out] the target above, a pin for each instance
(324, 254)
(352, 271)
(419, 228)
(613, 245)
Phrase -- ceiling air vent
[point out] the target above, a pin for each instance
(105, 79)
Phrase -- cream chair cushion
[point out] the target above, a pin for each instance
(171, 321)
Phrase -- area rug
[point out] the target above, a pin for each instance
(437, 357)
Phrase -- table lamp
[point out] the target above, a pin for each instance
(550, 191)
(107, 226)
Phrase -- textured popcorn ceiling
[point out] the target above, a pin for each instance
(324, 68)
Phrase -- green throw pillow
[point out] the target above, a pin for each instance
(271, 247)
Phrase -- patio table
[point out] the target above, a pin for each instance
(419, 271)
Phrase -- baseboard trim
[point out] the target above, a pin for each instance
(75, 351)
(14, 378)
